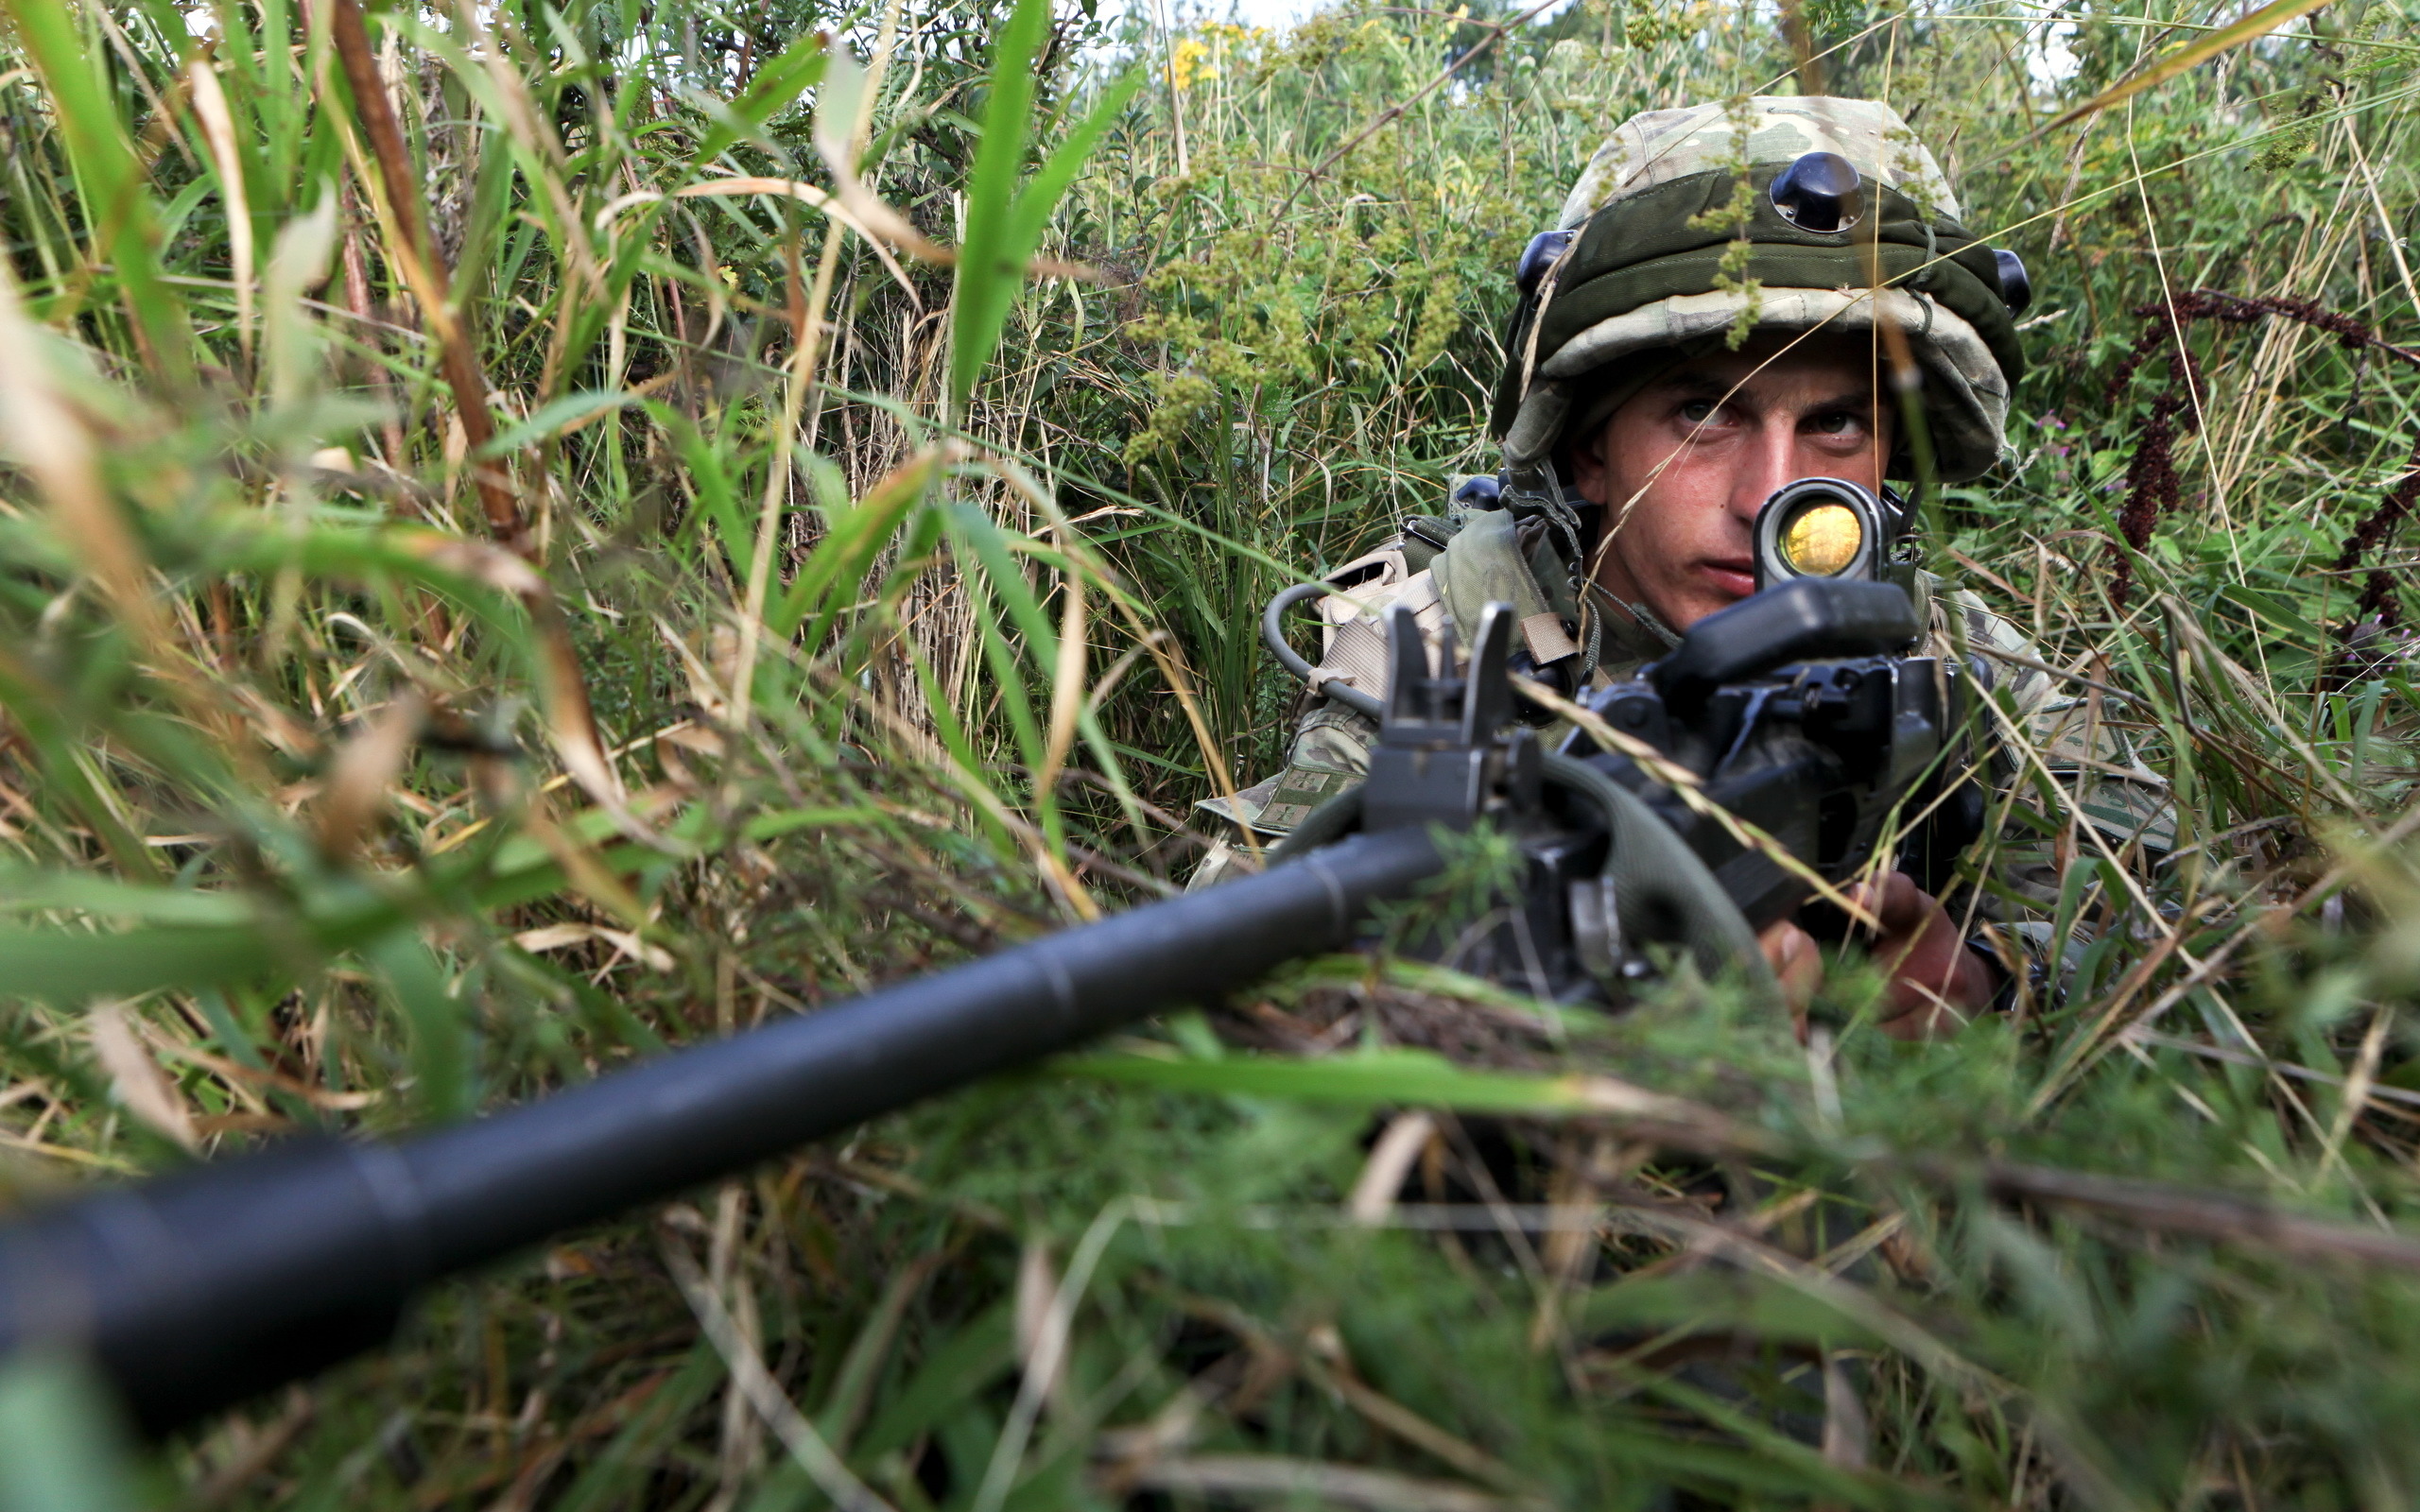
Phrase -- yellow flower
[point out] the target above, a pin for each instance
(1189, 63)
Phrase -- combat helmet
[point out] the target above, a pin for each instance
(1838, 189)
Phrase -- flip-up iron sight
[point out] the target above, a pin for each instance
(1437, 759)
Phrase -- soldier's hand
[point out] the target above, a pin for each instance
(1791, 952)
(1937, 984)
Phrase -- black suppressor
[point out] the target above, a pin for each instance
(196, 1290)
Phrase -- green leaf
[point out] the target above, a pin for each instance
(69, 966)
(414, 980)
(988, 268)
(2258, 25)
(1760, 1305)
(2274, 610)
(975, 532)
(777, 85)
(63, 1447)
(1003, 226)
(87, 893)
(783, 821)
(839, 561)
(119, 210)
(1051, 180)
(955, 1366)
(1373, 1079)
(562, 414)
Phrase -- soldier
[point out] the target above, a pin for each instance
(1731, 292)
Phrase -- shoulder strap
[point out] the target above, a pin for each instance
(1484, 563)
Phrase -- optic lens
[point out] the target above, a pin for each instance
(1822, 540)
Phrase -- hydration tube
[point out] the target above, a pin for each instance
(1272, 634)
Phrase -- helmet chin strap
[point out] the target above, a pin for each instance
(1535, 489)
(1646, 619)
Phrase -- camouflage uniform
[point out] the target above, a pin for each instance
(1649, 221)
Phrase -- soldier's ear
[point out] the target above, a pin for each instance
(1582, 462)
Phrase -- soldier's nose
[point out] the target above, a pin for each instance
(1769, 463)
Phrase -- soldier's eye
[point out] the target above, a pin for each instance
(1697, 411)
(1838, 422)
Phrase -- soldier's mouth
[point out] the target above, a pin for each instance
(1735, 575)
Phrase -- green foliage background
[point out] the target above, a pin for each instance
(870, 611)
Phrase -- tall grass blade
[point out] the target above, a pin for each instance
(2246, 29)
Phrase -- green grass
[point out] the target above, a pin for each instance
(801, 618)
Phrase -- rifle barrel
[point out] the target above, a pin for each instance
(196, 1290)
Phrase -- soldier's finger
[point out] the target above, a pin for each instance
(1797, 964)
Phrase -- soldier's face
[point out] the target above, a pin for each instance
(1682, 467)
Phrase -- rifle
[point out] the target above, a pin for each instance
(1797, 708)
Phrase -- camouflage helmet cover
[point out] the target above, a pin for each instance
(1651, 227)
